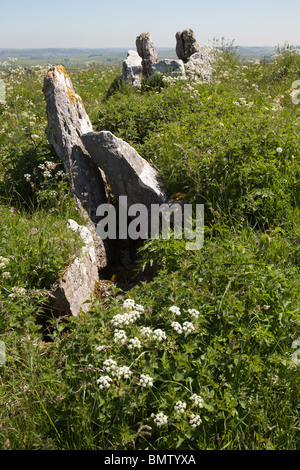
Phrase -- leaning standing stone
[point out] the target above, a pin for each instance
(67, 121)
(147, 51)
(127, 173)
(186, 44)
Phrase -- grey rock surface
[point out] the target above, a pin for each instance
(171, 67)
(75, 288)
(147, 51)
(126, 171)
(67, 120)
(200, 65)
(132, 69)
(186, 44)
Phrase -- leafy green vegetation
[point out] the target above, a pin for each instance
(199, 356)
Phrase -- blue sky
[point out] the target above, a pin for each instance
(116, 23)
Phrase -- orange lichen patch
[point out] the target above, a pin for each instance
(72, 96)
(52, 75)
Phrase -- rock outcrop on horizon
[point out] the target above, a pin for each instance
(186, 44)
(132, 69)
(147, 51)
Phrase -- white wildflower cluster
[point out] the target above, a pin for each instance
(3, 262)
(193, 312)
(180, 407)
(177, 327)
(188, 327)
(27, 177)
(160, 419)
(159, 335)
(116, 372)
(6, 275)
(146, 380)
(175, 310)
(104, 382)
(123, 372)
(198, 401)
(276, 106)
(17, 292)
(195, 420)
(120, 336)
(146, 331)
(109, 365)
(134, 343)
(243, 102)
(132, 313)
(47, 168)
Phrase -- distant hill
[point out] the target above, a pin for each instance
(85, 55)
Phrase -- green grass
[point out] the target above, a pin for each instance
(232, 145)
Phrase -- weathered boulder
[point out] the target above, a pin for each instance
(132, 69)
(200, 65)
(168, 67)
(67, 120)
(186, 44)
(77, 284)
(127, 173)
(147, 51)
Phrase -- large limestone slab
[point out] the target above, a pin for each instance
(200, 65)
(67, 121)
(147, 51)
(170, 67)
(127, 173)
(186, 44)
(75, 289)
(132, 69)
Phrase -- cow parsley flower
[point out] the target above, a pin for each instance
(104, 382)
(128, 303)
(6, 275)
(175, 310)
(134, 343)
(197, 400)
(3, 262)
(195, 420)
(161, 419)
(146, 380)
(159, 335)
(180, 407)
(123, 372)
(109, 365)
(146, 331)
(120, 336)
(177, 327)
(193, 312)
(188, 327)
(17, 292)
